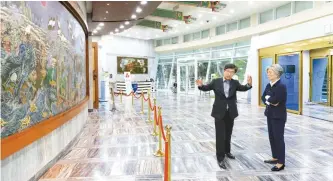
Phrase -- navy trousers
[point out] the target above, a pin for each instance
(276, 138)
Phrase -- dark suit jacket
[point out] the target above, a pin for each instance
(221, 102)
(278, 94)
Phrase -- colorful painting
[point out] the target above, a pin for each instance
(43, 65)
(133, 65)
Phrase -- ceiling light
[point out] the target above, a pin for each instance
(232, 11)
(108, 4)
(104, 17)
(111, 33)
(200, 15)
(121, 26)
(137, 32)
(95, 31)
(143, 2)
(127, 23)
(133, 16)
(156, 36)
(201, 22)
(106, 11)
(116, 30)
(98, 28)
(138, 10)
(187, 27)
(250, 2)
(101, 24)
(214, 18)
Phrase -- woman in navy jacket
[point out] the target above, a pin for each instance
(275, 98)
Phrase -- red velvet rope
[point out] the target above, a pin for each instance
(137, 97)
(145, 98)
(151, 107)
(161, 126)
(166, 162)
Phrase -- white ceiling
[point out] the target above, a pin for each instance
(235, 10)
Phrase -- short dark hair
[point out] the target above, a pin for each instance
(231, 66)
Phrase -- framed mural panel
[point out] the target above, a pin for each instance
(133, 65)
(43, 63)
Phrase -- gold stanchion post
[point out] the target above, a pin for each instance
(142, 97)
(159, 152)
(168, 129)
(149, 109)
(154, 130)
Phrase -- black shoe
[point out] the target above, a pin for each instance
(276, 169)
(271, 161)
(229, 155)
(221, 164)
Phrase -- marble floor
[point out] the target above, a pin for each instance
(318, 111)
(117, 146)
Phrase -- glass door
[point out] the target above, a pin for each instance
(292, 78)
(330, 79)
(319, 80)
(186, 76)
(264, 63)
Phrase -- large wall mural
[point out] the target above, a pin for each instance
(43, 65)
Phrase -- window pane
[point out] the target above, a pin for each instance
(160, 77)
(166, 73)
(196, 35)
(202, 70)
(223, 47)
(220, 66)
(245, 23)
(205, 34)
(212, 70)
(232, 27)
(169, 60)
(220, 30)
(175, 40)
(241, 52)
(158, 43)
(241, 64)
(167, 41)
(283, 11)
(303, 5)
(187, 37)
(243, 43)
(266, 16)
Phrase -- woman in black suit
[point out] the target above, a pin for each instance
(275, 98)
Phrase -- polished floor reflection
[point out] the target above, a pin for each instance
(118, 146)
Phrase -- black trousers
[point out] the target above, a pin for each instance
(223, 132)
(276, 138)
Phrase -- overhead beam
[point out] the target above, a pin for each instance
(168, 14)
(214, 5)
(154, 25)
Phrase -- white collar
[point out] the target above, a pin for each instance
(272, 83)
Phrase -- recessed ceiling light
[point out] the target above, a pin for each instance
(111, 33)
(139, 36)
(121, 26)
(101, 24)
(108, 4)
(214, 18)
(104, 17)
(127, 23)
(133, 16)
(187, 27)
(98, 28)
(200, 15)
(116, 30)
(232, 11)
(143, 2)
(128, 35)
(156, 36)
(95, 31)
(106, 11)
(250, 2)
(137, 32)
(201, 22)
(138, 10)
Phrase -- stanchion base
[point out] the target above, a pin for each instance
(159, 153)
(141, 112)
(154, 134)
(149, 121)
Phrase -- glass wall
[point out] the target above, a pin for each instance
(292, 79)
(264, 63)
(209, 61)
